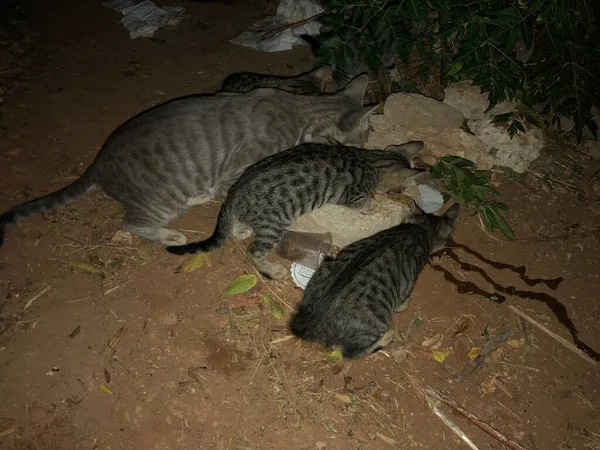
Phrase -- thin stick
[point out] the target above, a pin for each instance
(271, 33)
(487, 348)
(36, 296)
(516, 365)
(113, 342)
(449, 423)
(474, 419)
(562, 340)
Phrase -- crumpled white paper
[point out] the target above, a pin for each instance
(429, 200)
(143, 18)
(288, 11)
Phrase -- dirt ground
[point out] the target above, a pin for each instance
(143, 356)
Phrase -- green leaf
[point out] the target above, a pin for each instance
(241, 284)
(273, 307)
(192, 263)
(454, 69)
(335, 356)
(84, 265)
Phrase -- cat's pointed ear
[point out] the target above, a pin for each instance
(355, 117)
(451, 214)
(408, 150)
(312, 41)
(356, 88)
(321, 75)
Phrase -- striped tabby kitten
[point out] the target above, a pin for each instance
(189, 150)
(275, 191)
(310, 83)
(349, 301)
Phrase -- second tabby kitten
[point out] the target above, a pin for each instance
(273, 192)
(310, 83)
(350, 300)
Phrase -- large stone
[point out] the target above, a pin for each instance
(451, 141)
(472, 103)
(384, 133)
(348, 225)
(517, 152)
(418, 111)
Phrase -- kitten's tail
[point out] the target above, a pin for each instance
(219, 237)
(46, 203)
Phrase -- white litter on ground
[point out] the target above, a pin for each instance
(288, 12)
(429, 199)
(301, 275)
(143, 18)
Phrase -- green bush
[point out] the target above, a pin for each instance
(542, 53)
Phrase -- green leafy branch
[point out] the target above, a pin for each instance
(465, 183)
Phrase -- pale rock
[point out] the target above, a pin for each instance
(418, 111)
(169, 319)
(451, 141)
(348, 225)
(472, 103)
(384, 133)
(517, 152)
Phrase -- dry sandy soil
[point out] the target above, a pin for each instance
(182, 367)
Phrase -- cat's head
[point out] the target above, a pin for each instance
(439, 228)
(318, 77)
(393, 178)
(352, 127)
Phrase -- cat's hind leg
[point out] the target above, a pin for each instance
(150, 225)
(264, 241)
(402, 306)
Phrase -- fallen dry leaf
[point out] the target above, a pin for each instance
(488, 386)
(516, 343)
(464, 326)
(84, 265)
(193, 263)
(105, 389)
(474, 352)
(434, 342)
(400, 355)
(122, 237)
(440, 355)
(7, 426)
(343, 398)
(75, 332)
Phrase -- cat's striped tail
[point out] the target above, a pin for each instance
(46, 203)
(218, 238)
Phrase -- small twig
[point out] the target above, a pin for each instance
(511, 411)
(560, 339)
(113, 342)
(473, 419)
(516, 365)
(257, 366)
(560, 237)
(449, 423)
(271, 33)
(487, 348)
(36, 296)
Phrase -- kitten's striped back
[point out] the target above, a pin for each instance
(350, 300)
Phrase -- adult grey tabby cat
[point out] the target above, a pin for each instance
(273, 192)
(349, 301)
(310, 83)
(187, 151)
